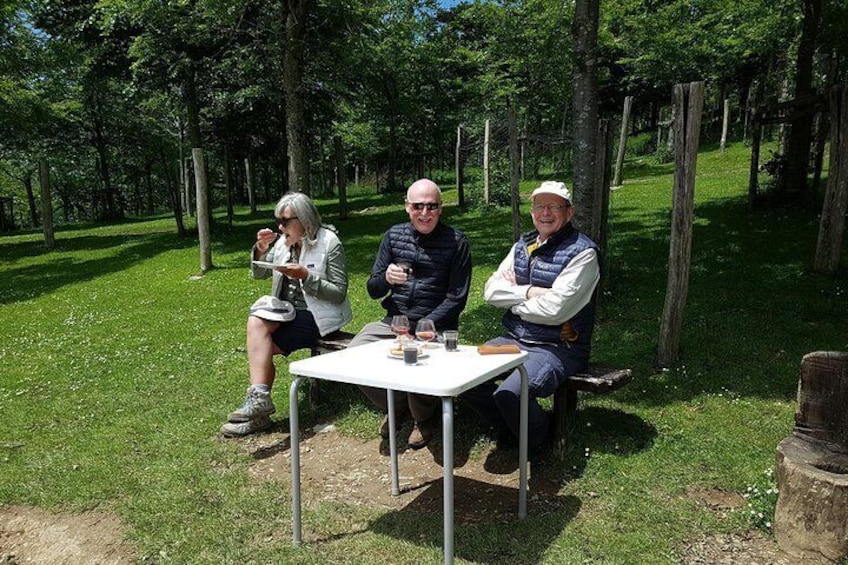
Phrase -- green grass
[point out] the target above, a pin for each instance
(117, 368)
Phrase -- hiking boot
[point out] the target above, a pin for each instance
(422, 433)
(255, 405)
(239, 429)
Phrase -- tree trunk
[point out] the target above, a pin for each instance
(174, 189)
(584, 108)
(515, 172)
(250, 182)
(832, 225)
(33, 209)
(341, 180)
(296, 12)
(46, 205)
(689, 103)
(459, 162)
(800, 134)
(486, 162)
(725, 122)
(622, 140)
(202, 209)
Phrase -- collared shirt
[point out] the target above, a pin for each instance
(571, 291)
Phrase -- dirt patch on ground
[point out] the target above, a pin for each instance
(353, 471)
(34, 536)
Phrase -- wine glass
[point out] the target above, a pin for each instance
(400, 327)
(425, 330)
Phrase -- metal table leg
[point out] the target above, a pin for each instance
(522, 446)
(294, 449)
(447, 465)
(393, 455)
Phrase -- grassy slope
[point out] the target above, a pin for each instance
(116, 370)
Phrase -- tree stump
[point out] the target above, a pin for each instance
(812, 464)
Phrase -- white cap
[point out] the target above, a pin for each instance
(273, 309)
(552, 187)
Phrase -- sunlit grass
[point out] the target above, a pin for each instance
(117, 367)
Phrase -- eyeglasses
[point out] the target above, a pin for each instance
(549, 208)
(431, 206)
(286, 221)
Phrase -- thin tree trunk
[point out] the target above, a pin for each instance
(725, 123)
(341, 180)
(515, 172)
(33, 209)
(46, 205)
(622, 140)
(202, 209)
(250, 182)
(459, 163)
(486, 163)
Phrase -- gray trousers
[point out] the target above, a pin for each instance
(420, 406)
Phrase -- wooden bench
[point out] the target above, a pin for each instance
(596, 380)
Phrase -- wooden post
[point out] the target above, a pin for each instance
(46, 205)
(460, 165)
(203, 234)
(341, 180)
(514, 173)
(724, 123)
(622, 140)
(602, 189)
(486, 163)
(832, 225)
(689, 103)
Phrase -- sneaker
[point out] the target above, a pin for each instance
(421, 434)
(239, 429)
(256, 404)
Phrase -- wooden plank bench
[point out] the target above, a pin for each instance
(596, 380)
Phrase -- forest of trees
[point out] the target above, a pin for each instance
(115, 94)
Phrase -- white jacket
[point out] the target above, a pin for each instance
(326, 298)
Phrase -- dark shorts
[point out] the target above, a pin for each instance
(300, 333)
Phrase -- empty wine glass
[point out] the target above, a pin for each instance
(425, 330)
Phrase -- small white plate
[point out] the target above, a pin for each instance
(264, 264)
(395, 355)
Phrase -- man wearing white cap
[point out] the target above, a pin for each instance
(547, 284)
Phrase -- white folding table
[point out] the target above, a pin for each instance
(441, 373)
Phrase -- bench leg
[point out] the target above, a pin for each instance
(565, 417)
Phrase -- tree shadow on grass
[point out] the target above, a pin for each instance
(487, 527)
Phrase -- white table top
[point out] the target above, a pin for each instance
(441, 373)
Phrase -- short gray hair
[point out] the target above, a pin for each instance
(305, 210)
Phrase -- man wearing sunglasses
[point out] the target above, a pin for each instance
(422, 270)
(547, 285)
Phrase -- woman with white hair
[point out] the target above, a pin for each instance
(308, 300)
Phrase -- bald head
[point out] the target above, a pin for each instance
(423, 187)
(424, 205)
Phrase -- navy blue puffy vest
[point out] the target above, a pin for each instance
(541, 268)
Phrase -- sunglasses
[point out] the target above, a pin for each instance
(431, 206)
(286, 221)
